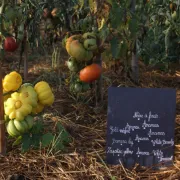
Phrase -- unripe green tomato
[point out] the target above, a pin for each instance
(72, 65)
(77, 87)
(174, 15)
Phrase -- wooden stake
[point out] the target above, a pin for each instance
(2, 122)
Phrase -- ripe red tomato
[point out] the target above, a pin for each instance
(10, 44)
(90, 73)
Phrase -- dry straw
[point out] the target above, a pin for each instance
(84, 157)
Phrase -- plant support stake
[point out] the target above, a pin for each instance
(2, 122)
(134, 61)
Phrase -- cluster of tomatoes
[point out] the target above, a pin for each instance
(82, 48)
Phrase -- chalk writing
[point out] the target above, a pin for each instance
(137, 115)
(114, 151)
(146, 125)
(130, 141)
(162, 142)
(149, 116)
(131, 128)
(152, 116)
(158, 153)
(143, 153)
(121, 142)
(166, 159)
(127, 151)
(113, 129)
(124, 131)
(165, 142)
(140, 126)
(138, 139)
(156, 142)
(116, 141)
(151, 133)
(117, 130)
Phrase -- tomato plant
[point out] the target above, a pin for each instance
(161, 39)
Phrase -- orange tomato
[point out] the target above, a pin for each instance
(90, 73)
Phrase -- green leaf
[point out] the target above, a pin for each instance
(47, 139)
(116, 16)
(133, 26)
(26, 142)
(104, 32)
(123, 49)
(59, 146)
(37, 128)
(114, 47)
(36, 139)
(60, 127)
(65, 137)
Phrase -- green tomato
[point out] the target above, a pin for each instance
(90, 44)
(72, 65)
(174, 15)
(77, 87)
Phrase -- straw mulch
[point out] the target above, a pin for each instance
(84, 157)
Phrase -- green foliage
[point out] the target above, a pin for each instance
(160, 42)
(37, 138)
(115, 47)
(47, 139)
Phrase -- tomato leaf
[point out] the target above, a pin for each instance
(37, 128)
(133, 26)
(116, 15)
(64, 135)
(59, 146)
(47, 139)
(115, 47)
(123, 49)
(104, 32)
(60, 127)
(36, 139)
(26, 142)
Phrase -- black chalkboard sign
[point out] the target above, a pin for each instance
(140, 128)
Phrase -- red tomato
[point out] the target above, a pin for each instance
(90, 73)
(10, 44)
